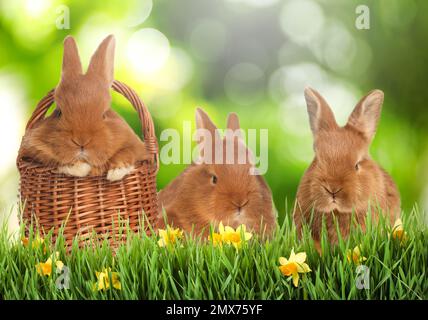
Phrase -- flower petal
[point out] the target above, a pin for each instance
(295, 279)
(283, 261)
(25, 241)
(398, 223)
(229, 229)
(44, 269)
(117, 285)
(348, 255)
(292, 255)
(59, 264)
(161, 243)
(284, 270)
(300, 257)
(221, 227)
(303, 268)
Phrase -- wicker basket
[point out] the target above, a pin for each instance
(90, 204)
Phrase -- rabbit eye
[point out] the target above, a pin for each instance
(214, 179)
(357, 166)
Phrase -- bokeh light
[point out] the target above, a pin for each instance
(339, 48)
(139, 14)
(309, 24)
(93, 31)
(148, 50)
(174, 74)
(35, 8)
(294, 78)
(33, 22)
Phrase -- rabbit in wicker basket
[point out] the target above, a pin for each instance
(209, 192)
(84, 136)
(343, 180)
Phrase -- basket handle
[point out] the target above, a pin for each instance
(146, 120)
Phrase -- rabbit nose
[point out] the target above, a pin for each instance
(80, 144)
(76, 143)
(240, 204)
(332, 193)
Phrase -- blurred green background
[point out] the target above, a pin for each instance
(253, 57)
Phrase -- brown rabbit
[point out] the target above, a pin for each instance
(343, 179)
(84, 136)
(208, 192)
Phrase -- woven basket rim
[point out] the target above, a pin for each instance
(26, 165)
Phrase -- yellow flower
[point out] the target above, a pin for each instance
(216, 239)
(103, 280)
(169, 236)
(355, 255)
(294, 265)
(45, 268)
(232, 236)
(36, 243)
(398, 231)
(25, 241)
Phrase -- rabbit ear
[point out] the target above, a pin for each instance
(203, 121)
(233, 124)
(233, 121)
(320, 115)
(71, 65)
(102, 61)
(206, 144)
(233, 135)
(366, 114)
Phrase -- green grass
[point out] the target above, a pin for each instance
(194, 269)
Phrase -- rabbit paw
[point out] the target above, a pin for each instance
(118, 173)
(80, 169)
